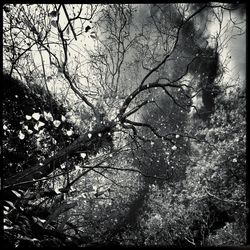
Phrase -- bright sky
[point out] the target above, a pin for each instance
(236, 47)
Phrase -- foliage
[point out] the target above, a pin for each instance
(207, 207)
(30, 132)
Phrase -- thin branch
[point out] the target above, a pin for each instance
(224, 200)
(174, 46)
(136, 108)
(70, 81)
(34, 181)
(69, 22)
(155, 84)
(140, 124)
(130, 170)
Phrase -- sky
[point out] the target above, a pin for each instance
(232, 54)
(236, 47)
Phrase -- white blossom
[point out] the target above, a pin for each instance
(174, 147)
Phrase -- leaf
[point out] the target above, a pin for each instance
(54, 141)
(40, 124)
(7, 221)
(28, 117)
(83, 155)
(56, 123)
(234, 160)
(35, 218)
(10, 203)
(21, 135)
(7, 228)
(21, 191)
(36, 127)
(57, 190)
(36, 116)
(87, 28)
(93, 36)
(63, 118)
(77, 167)
(63, 166)
(16, 193)
(6, 208)
(48, 116)
(49, 78)
(34, 239)
(41, 220)
(69, 132)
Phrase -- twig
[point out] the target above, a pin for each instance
(224, 200)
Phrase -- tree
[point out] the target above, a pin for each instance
(116, 87)
(208, 206)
